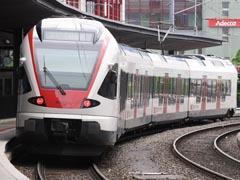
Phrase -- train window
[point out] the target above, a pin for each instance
(71, 63)
(199, 87)
(135, 83)
(182, 87)
(172, 91)
(156, 86)
(137, 90)
(174, 86)
(193, 87)
(129, 87)
(186, 87)
(61, 35)
(166, 84)
(8, 87)
(133, 103)
(160, 100)
(24, 85)
(6, 58)
(209, 90)
(179, 86)
(1, 87)
(150, 80)
(141, 90)
(154, 90)
(170, 86)
(69, 36)
(228, 87)
(123, 90)
(161, 84)
(108, 88)
(214, 90)
(147, 92)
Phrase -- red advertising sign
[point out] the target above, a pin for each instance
(224, 22)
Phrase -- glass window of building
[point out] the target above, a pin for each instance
(153, 13)
(225, 8)
(225, 4)
(225, 33)
(225, 12)
(6, 58)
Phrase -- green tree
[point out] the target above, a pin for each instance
(236, 59)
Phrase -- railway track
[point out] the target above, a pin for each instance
(223, 148)
(197, 149)
(91, 173)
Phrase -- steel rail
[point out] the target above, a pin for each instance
(220, 151)
(97, 173)
(180, 155)
(40, 171)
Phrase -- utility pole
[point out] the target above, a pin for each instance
(172, 13)
(195, 18)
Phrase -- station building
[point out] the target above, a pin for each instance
(111, 9)
(214, 18)
(221, 19)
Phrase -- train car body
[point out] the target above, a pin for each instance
(213, 87)
(79, 90)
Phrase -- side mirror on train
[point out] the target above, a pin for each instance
(22, 60)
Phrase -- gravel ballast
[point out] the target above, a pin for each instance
(152, 154)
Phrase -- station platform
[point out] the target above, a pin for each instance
(7, 170)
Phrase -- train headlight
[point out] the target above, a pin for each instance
(38, 100)
(88, 103)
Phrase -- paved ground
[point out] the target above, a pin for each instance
(7, 124)
(7, 170)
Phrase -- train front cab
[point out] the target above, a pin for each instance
(61, 103)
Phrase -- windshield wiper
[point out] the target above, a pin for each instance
(52, 78)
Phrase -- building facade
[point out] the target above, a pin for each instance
(211, 18)
(111, 9)
(221, 19)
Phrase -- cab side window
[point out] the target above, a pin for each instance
(24, 85)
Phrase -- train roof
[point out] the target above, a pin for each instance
(71, 29)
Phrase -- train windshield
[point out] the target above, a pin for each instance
(71, 63)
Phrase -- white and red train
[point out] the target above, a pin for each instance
(79, 89)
